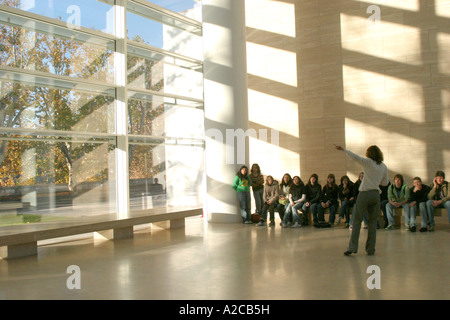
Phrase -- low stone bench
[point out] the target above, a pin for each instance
(399, 212)
(12, 207)
(21, 241)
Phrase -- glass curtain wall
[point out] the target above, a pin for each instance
(95, 121)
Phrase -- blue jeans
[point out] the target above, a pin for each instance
(333, 208)
(423, 211)
(314, 208)
(430, 211)
(390, 212)
(244, 204)
(345, 209)
(292, 211)
(383, 209)
(258, 195)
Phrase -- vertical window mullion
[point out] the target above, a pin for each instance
(120, 74)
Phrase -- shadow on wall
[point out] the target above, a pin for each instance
(364, 74)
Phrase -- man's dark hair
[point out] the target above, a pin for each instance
(440, 173)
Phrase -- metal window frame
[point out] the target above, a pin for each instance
(165, 16)
(119, 89)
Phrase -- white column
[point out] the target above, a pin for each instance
(120, 68)
(226, 104)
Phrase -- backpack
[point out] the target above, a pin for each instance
(322, 224)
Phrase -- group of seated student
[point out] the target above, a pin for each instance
(293, 199)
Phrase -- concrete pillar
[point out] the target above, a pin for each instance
(226, 104)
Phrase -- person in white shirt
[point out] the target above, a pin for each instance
(375, 174)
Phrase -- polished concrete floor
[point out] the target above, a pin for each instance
(235, 262)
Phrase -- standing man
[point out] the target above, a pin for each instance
(375, 174)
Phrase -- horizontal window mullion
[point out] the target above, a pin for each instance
(149, 52)
(57, 81)
(5, 133)
(158, 140)
(134, 93)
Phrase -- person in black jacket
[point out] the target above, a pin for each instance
(418, 197)
(383, 201)
(297, 197)
(313, 192)
(329, 199)
(346, 196)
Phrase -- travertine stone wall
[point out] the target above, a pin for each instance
(354, 73)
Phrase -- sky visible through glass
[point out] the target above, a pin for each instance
(97, 15)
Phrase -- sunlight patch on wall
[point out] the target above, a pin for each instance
(218, 35)
(384, 94)
(361, 81)
(272, 16)
(360, 135)
(386, 40)
(273, 64)
(273, 112)
(443, 10)
(443, 43)
(394, 144)
(223, 94)
(415, 164)
(273, 160)
(355, 134)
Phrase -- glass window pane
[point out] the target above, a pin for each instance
(156, 117)
(37, 107)
(56, 180)
(58, 99)
(165, 175)
(189, 8)
(156, 34)
(164, 77)
(97, 15)
(32, 50)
